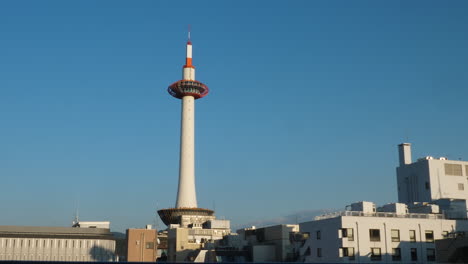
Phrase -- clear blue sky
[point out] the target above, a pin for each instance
(308, 102)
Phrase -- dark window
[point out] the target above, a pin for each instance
(347, 232)
(319, 235)
(412, 236)
(430, 254)
(319, 252)
(414, 254)
(395, 235)
(396, 254)
(348, 252)
(427, 185)
(429, 236)
(376, 254)
(374, 234)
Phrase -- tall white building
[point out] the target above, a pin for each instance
(389, 234)
(437, 180)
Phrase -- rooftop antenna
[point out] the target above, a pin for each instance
(76, 220)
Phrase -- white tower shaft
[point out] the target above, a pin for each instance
(186, 194)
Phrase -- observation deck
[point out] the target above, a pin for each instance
(183, 88)
(173, 215)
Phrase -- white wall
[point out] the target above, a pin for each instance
(331, 242)
(50, 249)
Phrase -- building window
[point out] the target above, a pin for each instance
(430, 254)
(374, 234)
(149, 245)
(319, 235)
(395, 235)
(319, 252)
(412, 236)
(348, 252)
(396, 254)
(347, 232)
(453, 169)
(376, 254)
(429, 236)
(461, 187)
(414, 254)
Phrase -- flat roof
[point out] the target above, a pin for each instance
(55, 232)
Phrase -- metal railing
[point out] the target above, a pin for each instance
(379, 214)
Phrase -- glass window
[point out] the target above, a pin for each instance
(319, 235)
(347, 233)
(319, 252)
(396, 254)
(376, 254)
(414, 254)
(453, 169)
(395, 235)
(374, 234)
(461, 187)
(412, 236)
(430, 254)
(149, 245)
(348, 252)
(429, 236)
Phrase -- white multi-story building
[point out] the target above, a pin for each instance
(437, 180)
(383, 235)
(33, 243)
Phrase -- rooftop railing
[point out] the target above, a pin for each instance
(379, 214)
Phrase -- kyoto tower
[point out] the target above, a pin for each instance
(188, 90)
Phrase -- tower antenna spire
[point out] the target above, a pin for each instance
(189, 34)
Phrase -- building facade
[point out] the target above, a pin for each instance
(186, 242)
(56, 243)
(272, 243)
(142, 244)
(380, 236)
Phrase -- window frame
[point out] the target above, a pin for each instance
(319, 252)
(376, 254)
(431, 236)
(414, 254)
(396, 257)
(395, 238)
(431, 257)
(372, 236)
(412, 236)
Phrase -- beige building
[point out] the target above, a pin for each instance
(56, 243)
(190, 240)
(142, 245)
